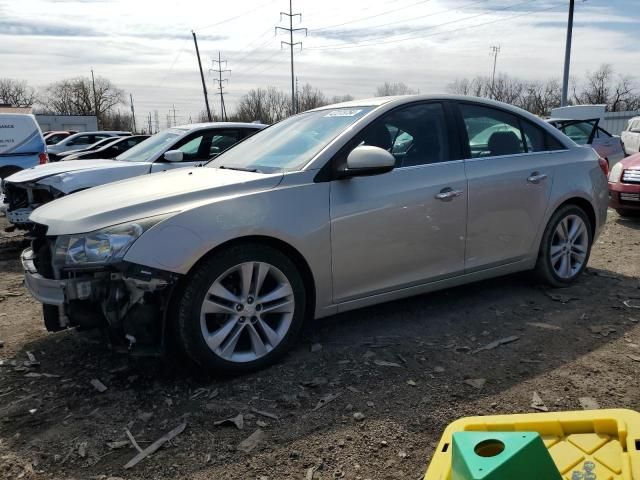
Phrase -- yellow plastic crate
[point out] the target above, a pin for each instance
(604, 443)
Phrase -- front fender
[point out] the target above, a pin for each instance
(297, 215)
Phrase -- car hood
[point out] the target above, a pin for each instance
(632, 162)
(73, 175)
(147, 196)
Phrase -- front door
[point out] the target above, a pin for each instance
(199, 147)
(405, 227)
(510, 177)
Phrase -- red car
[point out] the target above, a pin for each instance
(624, 186)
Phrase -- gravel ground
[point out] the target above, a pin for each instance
(365, 395)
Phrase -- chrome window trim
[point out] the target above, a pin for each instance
(545, 152)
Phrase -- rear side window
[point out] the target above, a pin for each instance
(491, 132)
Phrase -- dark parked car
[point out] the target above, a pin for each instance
(94, 146)
(107, 150)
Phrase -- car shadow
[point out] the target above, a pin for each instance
(629, 222)
(421, 362)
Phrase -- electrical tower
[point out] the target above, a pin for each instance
(291, 30)
(495, 50)
(220, 81)
(156, 119)
(133, 114)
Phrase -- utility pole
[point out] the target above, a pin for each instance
(220, 81)
(297, 93)
(174, 115)
(294, 107)
(149, 120)
(495, 50)
(567, 56)
(95, 99)
(133, 114)
(156, 118)
(204, 85)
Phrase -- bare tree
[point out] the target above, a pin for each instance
(267, 105)
(74, 96)
(310, 98)
(596, 88)
(117, 120)
(399, 88)
(341, 98)
(16, 93)
(464, 86)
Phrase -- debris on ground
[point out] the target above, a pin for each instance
(272, 416)
(118, 444)
(635, 358)
(411, 383)
(238, 421)
(359, 416)
(315, 382)
(589, 403)
(384, 363)
(155, 446)
(537, 403)
(604, 330)
(560, 297)
(544, 326)
(252, 441)
(316, 347)
(132, 440)
(326, 399)
(632, 303)
(98, 385)
(497, 343)
(476, 382)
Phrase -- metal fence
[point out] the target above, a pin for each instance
(616, 122)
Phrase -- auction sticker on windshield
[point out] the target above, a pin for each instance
(343, 112)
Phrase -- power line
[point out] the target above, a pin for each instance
(359, 44)
(220, 81)
(235, 17)
(369, 17)
(291, 30)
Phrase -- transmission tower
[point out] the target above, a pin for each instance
(156, 119)
(291, 43)
(220, 81)
(495, 50)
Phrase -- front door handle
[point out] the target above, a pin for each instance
(447, 194)
(536, 178)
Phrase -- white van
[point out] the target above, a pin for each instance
(21, 143)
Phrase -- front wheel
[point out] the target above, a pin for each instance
(565, 248)
(241, 309)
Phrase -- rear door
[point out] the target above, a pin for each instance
(509, 177)
(405, 227)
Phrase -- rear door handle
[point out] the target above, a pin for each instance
(536, 178)
(447, 194)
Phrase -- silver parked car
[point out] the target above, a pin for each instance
(333, 209)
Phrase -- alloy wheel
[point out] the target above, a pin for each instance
(247, 311)
(569, 246)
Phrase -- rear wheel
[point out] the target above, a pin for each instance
(566, 246)
(241, 309)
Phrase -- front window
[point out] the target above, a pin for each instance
(147, 150)
(291, 143)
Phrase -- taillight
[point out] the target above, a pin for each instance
(604, 165)
(44, 158)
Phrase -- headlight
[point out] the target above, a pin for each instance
(616, 171)
(101, 247)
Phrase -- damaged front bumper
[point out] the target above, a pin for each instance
(129, 301)
(21, 199)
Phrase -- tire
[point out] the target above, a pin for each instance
(628, 213)
(555, 271)
(236, 314)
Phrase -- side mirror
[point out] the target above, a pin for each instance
(173, 156)
(367, 160)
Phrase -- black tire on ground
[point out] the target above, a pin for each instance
(628, 213)
(196, 287)
(543, 269)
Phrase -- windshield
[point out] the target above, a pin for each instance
(147, 150)
(290, 144)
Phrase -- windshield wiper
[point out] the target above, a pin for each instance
(240, 169)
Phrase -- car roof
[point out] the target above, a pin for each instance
(199, 126)
(571, 120)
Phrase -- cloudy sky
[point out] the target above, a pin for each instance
(146, 48)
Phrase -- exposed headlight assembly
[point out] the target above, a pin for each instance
(101, 247)
(616, 171)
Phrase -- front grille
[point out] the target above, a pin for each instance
(631, 176)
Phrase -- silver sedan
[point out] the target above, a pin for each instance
(333, 209)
